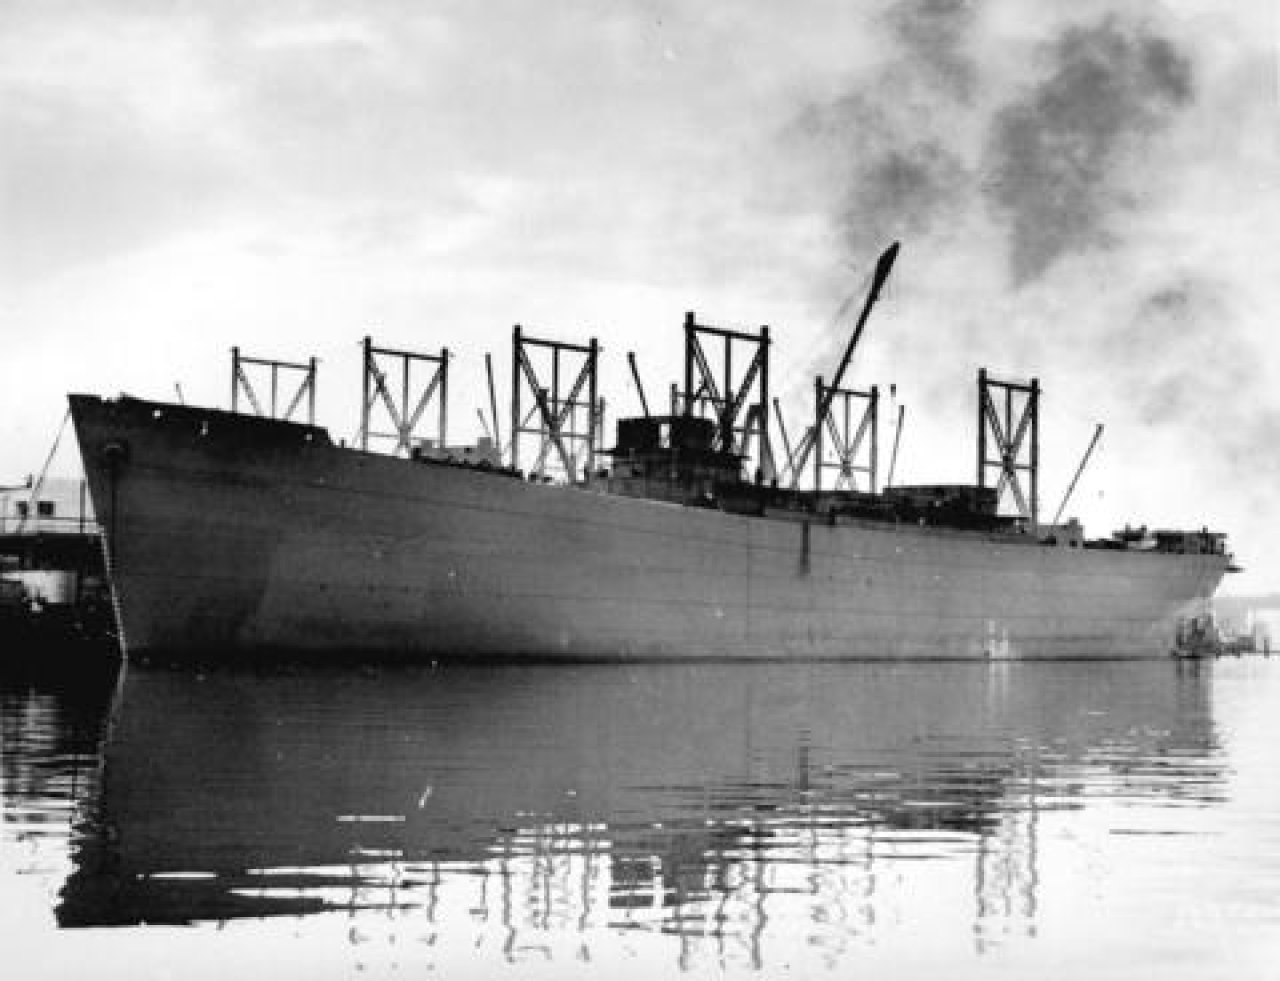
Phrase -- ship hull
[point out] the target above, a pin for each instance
(230, 535)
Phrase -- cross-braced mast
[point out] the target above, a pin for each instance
(851, 423)
(1009, 441)
(243, 372)
(738, 403)
(565, 416)
(390, 384)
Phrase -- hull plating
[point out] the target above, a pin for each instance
(228, 534)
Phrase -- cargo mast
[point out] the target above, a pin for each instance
(739, 404)
(241, 369)
(854, 445)
(562, 418)
(1013, 424)
(404, 413)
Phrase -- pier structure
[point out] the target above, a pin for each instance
(53, 584)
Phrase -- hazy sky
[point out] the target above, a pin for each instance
(1084, 192)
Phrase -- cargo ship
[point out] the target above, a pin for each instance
(230, 534)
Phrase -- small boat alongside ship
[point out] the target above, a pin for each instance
(231, 535)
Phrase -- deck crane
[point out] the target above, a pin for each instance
(635, 374)
(897, 438)
(782, 428)
(1097, 434)
(883, 266)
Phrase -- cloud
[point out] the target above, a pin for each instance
(85, 176)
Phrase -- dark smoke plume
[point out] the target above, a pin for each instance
(1179, 353)
(933, 36)
(1093, 155)
(1057, 156)
(898, 194)
(891, 139)
(1187, 367)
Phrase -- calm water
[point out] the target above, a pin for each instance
(1058, 820)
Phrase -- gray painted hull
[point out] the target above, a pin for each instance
(230, 535)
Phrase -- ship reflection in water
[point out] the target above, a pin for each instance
(645, 819)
